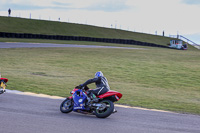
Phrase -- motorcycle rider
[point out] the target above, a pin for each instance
(101, 86)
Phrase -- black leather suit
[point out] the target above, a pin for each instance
(101, 85)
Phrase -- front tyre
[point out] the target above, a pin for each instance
(2, 91)
(66, 106)
(106, 110)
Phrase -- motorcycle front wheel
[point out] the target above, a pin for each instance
(106, 110)
(2, 91)
(66, 106)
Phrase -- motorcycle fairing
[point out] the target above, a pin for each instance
(79, 99)
(3, 85)
(111, 93)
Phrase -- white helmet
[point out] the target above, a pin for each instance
(98, 74)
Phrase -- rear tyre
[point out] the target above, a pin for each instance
(66, 106)
(105, 111)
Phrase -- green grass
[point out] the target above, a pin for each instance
(154, 78)
(21, 25)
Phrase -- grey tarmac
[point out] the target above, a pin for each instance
(31, 114)
(44, 45)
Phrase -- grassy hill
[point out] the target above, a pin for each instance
(21, 25)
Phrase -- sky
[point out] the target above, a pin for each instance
(147, 16)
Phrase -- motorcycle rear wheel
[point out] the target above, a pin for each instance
(105, 112)
(66, 106)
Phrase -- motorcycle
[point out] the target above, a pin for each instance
(3, 85)
(80, 102)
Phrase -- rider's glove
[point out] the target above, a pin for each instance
(80, 86)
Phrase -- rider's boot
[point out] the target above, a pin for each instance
(114, 111)
(94, 98)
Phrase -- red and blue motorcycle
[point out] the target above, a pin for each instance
(80, 102)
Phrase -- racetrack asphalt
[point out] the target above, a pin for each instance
(39, 45)
(29, 114)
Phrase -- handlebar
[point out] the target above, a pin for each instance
(82, 88)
